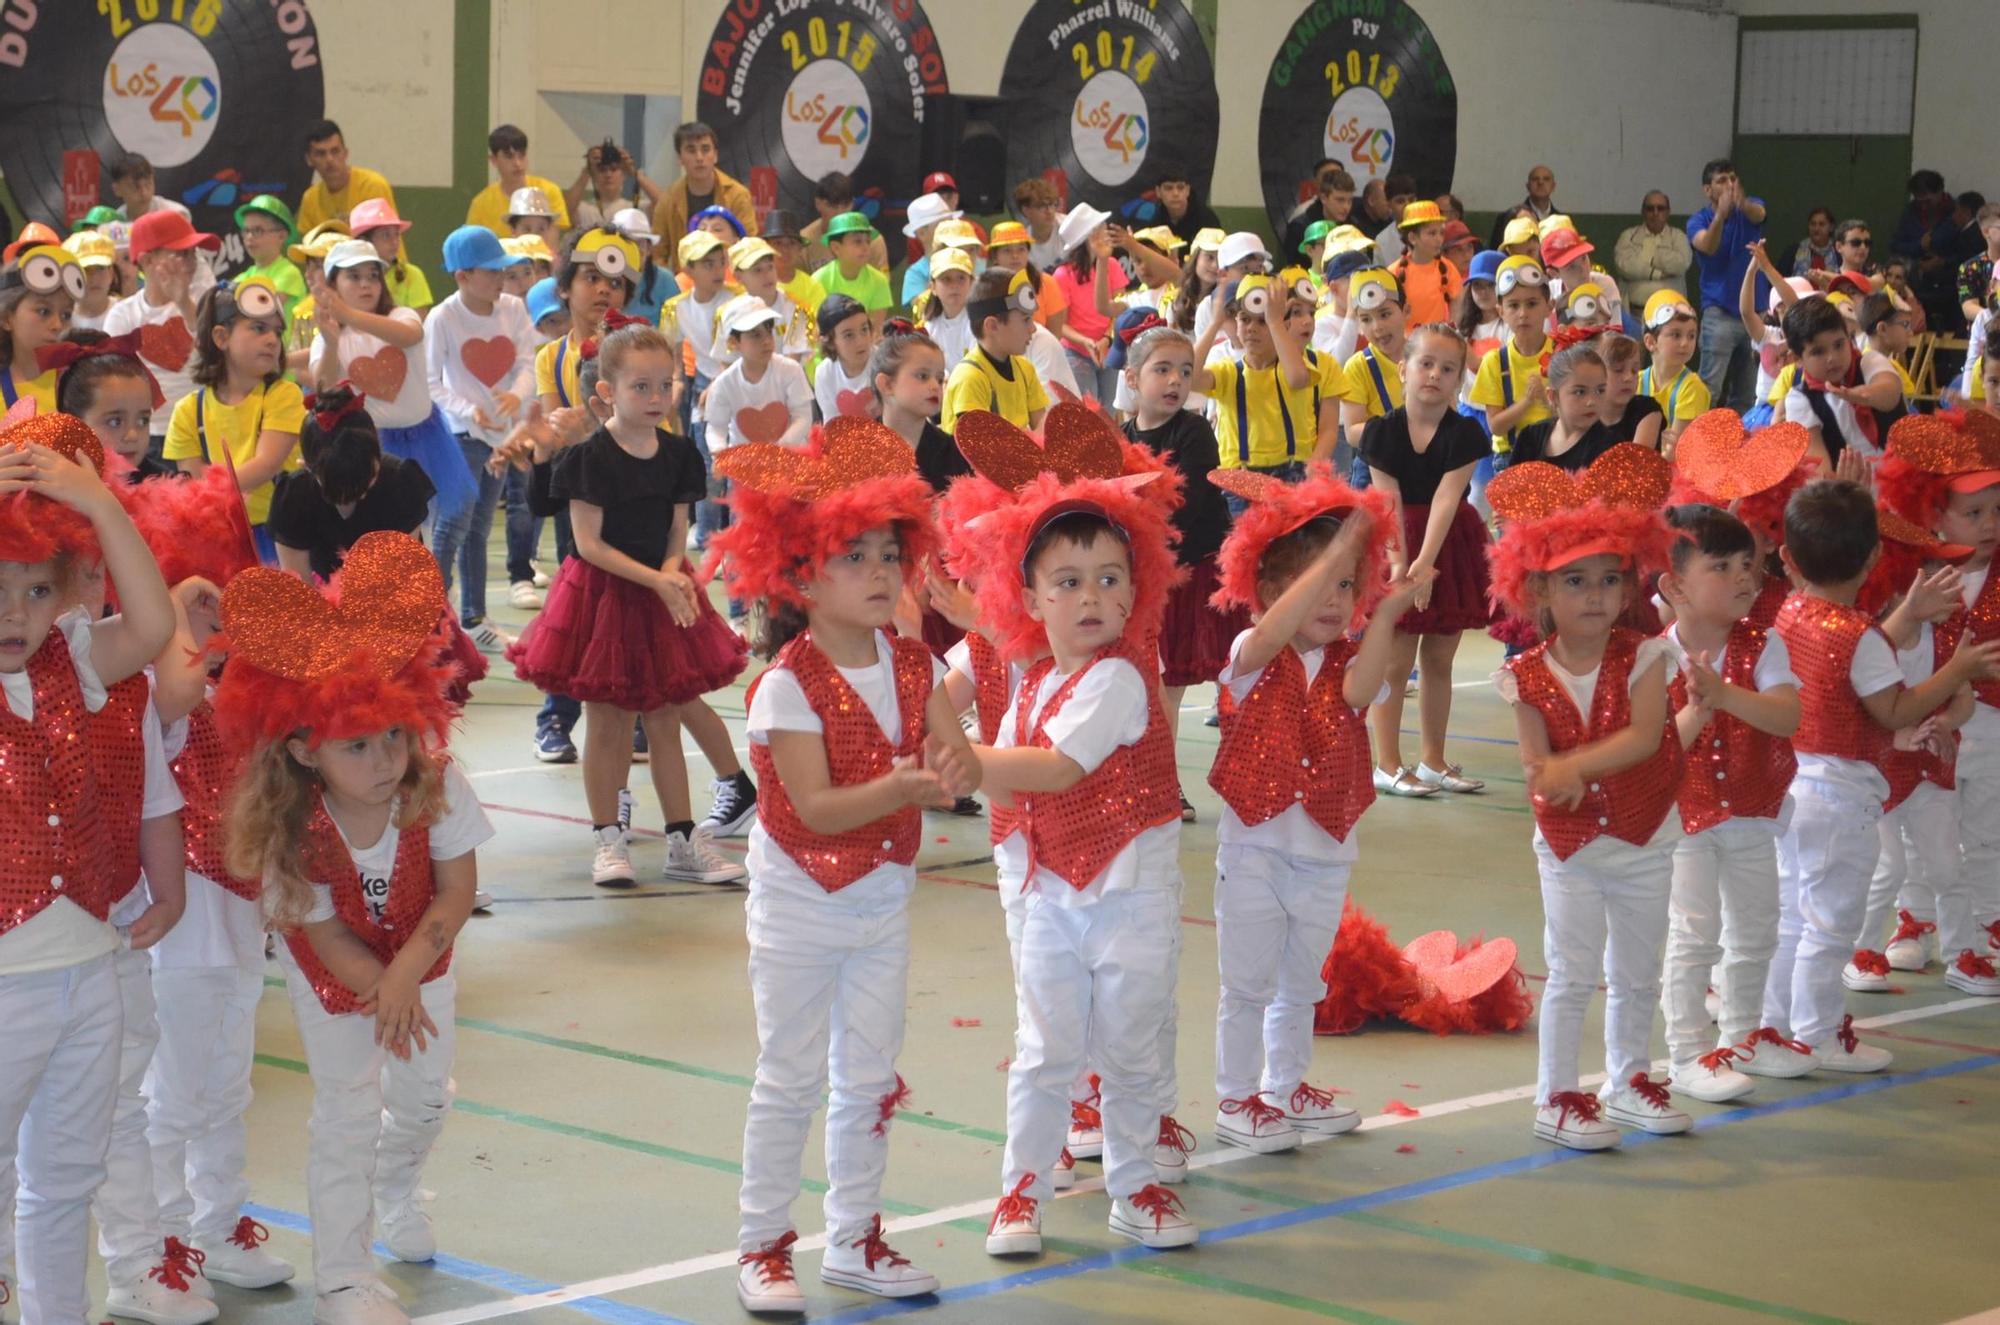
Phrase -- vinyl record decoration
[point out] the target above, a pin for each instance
(801, 89)
(1109, 94)
(1371, 91)
(216, 95)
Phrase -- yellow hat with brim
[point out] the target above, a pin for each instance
(1517, 271)
(92, 249)
(1208, 240)
(694, 246)
(1372, 288)
(950, 259)
(1663, 307)
(747, 252)
(1160, 237)
(956, 233)
(317, 242)
(1520, 230)
(533, 247)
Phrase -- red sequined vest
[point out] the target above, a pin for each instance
(205, 770)
(1906, 770)
(1822, 637)
(72, 798)
(1734, 771)
(411, 890)
(1984, 618)
(1764, 608)
(856, 752)
(990, 697)
(1076, 833)
(1290, 743)
(1630, 804)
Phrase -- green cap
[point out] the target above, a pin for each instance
(1315, 232)
(96, 216)
(273, 207)
(849, 223)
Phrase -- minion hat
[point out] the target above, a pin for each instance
(694, 246)
(1584, 303)
(616, 256)
(45, 269)
(950, 259)
(317, 242)
(1372, 288)
(1299, 282)
(251, 296)
(1520, 230)
(747, 253)
(1663, 307)
(92, 249)
(1020, 295)
(1519, 270)
(527, 248)
(1249, 295)
(1208, 239)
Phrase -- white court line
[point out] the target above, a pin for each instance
(722, 1260)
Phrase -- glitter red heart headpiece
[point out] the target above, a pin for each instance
(1718, 458)
(33, 528)
(1278, 508)
(1075, 443)
(361, 655)
(1626, 475)
(64, 353)
(1930, 456)
(1552, 518)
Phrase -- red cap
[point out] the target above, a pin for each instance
(1562, 247)
(938, 179)
(1458, 232)
(168, 229)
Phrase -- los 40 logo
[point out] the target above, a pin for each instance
(179, 99)
(841, 127)
(1124, 132)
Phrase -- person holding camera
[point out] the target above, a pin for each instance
(599, 191)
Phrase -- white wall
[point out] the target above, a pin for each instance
(389, 82)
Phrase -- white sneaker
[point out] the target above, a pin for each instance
(1254, 1123)
(1711, 1003)
(241, 1262)
(490, 638)
(1970, 973)
(1311, 1109)
(1575, 1119)
(1845, 1052)
(371, 1302)
(1645, 1104)
(1152, 1217)
(188, 1263)
(1016, 1226)
(541, 576)
(1450, 778)
(1769, 1054)
(524, 595)
(611, 867)
(766, 1284)
(1711, 1079)
(163, 1297)
(482, 900)
(696, 860)
(1171, 1151)
(1867, 973)
(1914, 944)
(1062, 1176)
(406, 1231)
(871, 1266)
(1086, 1127)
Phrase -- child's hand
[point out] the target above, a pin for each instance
(1923, 735)
(677, 591)
(1410, 588)
(330, 310)
(915, 785)
(198, 604)
(1705, 684)
(1852, 465)
(1536, 391)
(153, 924)
(955, 765)
(73, 483)
(1934, 593)
(1975, 661)
(400, 1018)
(909, 615)
(1555, 783)
(951, 600)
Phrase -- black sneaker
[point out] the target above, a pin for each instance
(735, 806)
(966, 807)
(553, 745)
(639, 748)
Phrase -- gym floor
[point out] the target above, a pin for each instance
(606, 1042)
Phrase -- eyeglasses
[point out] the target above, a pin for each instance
(1858, 243)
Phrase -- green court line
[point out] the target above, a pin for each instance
(1162, 1267)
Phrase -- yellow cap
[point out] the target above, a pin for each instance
(528, 246)
(748, 252)
(1664, 307)
(950, 259)
(1372, 288)
(957, 232)
(1520, 230)
(1160, 237)
(92, 249)
(1553, 221)
(318, 241)
(694, 246)
(1208, 240)
(1520, 270)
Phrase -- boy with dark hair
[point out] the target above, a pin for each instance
(701, 185)
(341, 186)
(1825, 398)
(507, 153)
(995, 375)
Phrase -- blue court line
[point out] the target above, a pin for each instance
(517, 1285)
(1507, 1168)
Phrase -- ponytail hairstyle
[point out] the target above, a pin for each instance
(1150, 342)
(928, 305)
(892, 351)
(339, 444)
(1564, 363)
(76, 385)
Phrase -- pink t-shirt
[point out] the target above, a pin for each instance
(1082, 295)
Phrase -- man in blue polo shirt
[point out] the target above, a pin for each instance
(1721, 233)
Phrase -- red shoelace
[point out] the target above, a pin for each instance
(1909, 927)
(1084, 1117)
(1067, 1161)
(1992, 935)
(774, 1261)
(888, 1105)
(1254, 1108)
(1971, 963)
(1155, 1200)
(1173, 1135)
(1769, 1035)
(178, 1267)
(1653, 1092)
(1869, 962)
(873, 1249)
(249, 1233)
(1310, 1097)
(1015, 1206)
(1576, 1103)
(1717, 1060)
(1848, 1039)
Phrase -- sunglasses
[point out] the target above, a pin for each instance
(1858, 243)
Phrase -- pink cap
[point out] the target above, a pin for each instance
(373, 215)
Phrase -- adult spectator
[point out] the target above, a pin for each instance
(1721, 234)
(701, 185)
(1398, 191)
(1540, 202)
(1452, 207)
(1332, 202)
(1854, 244)
(1652, 255)
(507, 153)
(1816, 252)
(1964, 242)
(1975, 274)
(1376, 210)
(1928, 208)
(833, 196)
(1187, 212)
(599, 191)
(341, 186)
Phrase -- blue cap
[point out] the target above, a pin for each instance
(473, 248)
(542, 298)
(724, 213)
(1348, 262)
(1485, 265)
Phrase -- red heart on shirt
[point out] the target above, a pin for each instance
(488, 360)
(167, 344)
(856, 404)
(765, 423)
(380, 374)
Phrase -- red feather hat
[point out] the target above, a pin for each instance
(1018, 485)
(1278, 508)
(195, 527)
(1751, 474)
(360, 656)
(1906, 548)
(1553, 518)
(32, 527)
(1931, 456)
(792, 510)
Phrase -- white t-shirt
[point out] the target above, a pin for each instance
(1335, 335)
(1984, 725)
(1045, 352)
(833, 380)
(775, 408)
(1774, 664)
(1105, 712)
(1874, 669)
(133, 312)
(1292, 833)
(780, 705)
(463, 827)
(1047, 253)
(1800, 411)
(464, 359)
(161, 796)
(411, 404)
(218, 928)
(952, 334)
(689, 320)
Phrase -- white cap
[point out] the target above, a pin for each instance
(530, 201)
(351, 253)
(744, 312)
(634, 225)
(1078, 224)
(927, 209)
(1239, 246)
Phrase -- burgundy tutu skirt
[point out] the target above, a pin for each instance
(1458, 595)
(464, 656)
(1195, 636)
(603, 639)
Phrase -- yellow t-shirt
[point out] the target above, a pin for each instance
(410, 289)
(807, 294)
(976, 384)
(1682, 398)
(489, 205)
(1781, 386)
(319, 205)
(1262, 422)
(1975, 379)
(557, 365)
(1357, 383)
(1491, 392)
(202, 418)
(41, 389)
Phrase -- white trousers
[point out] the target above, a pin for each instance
(1090, 981)
(1723, 913)
(1979, 827)
(128, 1217)
(828, 983)
(1604, 918)
(197, 1095)
(59, 1045)
(1918, 868)
(1825, 862)
(374, 1120)
(1275, 918)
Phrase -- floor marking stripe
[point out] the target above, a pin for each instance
(1312, 1306)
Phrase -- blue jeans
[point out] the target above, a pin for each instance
(1292, 472)
(1728, 360)
(1093, 381)
(523, 529)
(462, 539)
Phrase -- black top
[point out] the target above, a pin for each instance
(1625, 429)
(151, 467)
(1458, 442)
(1188, 443)
(302, 518)
(637, 496)
(1199, 216)
(1532, 443)
(938, 458)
